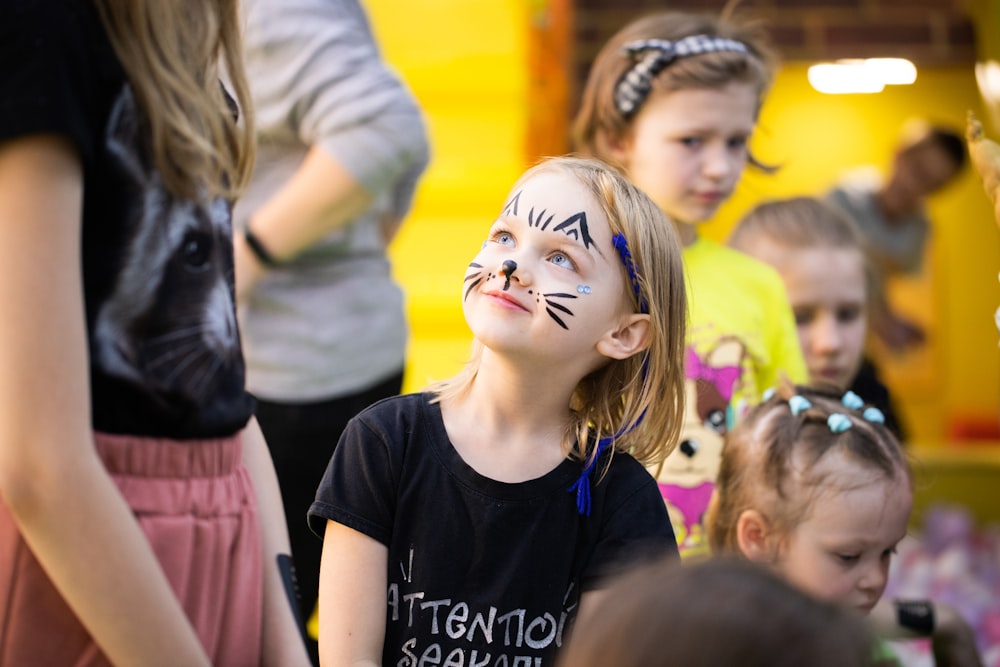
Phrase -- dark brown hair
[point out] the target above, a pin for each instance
(722, 611)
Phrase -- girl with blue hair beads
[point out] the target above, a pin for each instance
(471, 523)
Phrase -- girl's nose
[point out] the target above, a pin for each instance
(826, 335)
(719, 162)
(875, 578)
(507, 269)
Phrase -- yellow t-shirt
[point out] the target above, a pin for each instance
(741, 338)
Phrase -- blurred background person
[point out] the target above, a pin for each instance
(342, 144)
(641, 624)
(891, 213)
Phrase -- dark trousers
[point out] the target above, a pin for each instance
(302, 437)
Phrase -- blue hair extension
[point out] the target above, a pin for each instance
(582, 484)
(621, 245)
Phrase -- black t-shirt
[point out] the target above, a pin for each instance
(481, 571)
(165, 355)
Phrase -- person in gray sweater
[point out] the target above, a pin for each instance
(342, 144)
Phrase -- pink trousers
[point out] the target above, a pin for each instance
(195, 502)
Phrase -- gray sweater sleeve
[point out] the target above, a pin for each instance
(317, 74)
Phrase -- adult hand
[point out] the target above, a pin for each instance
(953, 642)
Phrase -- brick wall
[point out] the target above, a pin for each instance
(928, 32)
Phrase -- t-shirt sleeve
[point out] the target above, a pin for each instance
(357, 489)
(45, 83)
(784, 349)
(343, 97)
(635, 529)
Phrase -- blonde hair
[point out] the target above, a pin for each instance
(770, 461)
(599, 122)
(171, 51)
(648, 386)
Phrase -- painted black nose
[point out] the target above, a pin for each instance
(509, 267)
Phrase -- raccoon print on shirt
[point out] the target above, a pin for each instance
(169, 323)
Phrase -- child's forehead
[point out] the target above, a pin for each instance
(547, 200)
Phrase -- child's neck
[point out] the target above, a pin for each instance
(509, 427)
(687, 233)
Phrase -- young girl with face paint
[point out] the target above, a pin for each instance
(814, 485)
(471, 523)
(672, 100)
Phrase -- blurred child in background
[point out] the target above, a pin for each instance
(672, 100)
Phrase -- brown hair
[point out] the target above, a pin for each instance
(800, 223)
(722, 611)
(171, 53)
(769, 461)
(797, 222)
(599, 121)
(650, 383)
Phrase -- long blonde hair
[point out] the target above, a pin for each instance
(647, 388)
(171, 51)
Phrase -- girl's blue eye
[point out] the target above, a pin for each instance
(690, 142)
(847, 558)
(503, 238)
(563, 260)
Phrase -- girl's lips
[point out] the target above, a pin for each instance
(506, 300)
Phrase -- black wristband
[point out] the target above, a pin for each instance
(258, 249)
(916, 615)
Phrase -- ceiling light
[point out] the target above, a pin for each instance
(870, 75)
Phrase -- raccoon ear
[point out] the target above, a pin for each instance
(124, 139)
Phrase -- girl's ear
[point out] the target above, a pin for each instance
(620, 148)
(631, 336)
(753, 536)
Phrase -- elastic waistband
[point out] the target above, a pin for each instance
(141, 456)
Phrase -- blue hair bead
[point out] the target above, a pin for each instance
(874, 415)
(852, 401)
(768, 393)
(838, 422)
(797, 404)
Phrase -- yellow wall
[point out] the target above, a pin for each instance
(466, 63)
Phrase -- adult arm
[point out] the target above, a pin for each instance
(365, 133)
(282, 639)
(66, 506)
(353, 577)
(319, 197)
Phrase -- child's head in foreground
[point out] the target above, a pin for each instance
(813, 484)
(820, 256)
(721, 611)
(589, 272)
(672, 99)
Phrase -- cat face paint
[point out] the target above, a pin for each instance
(545, 246)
